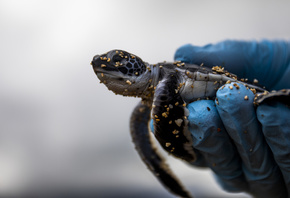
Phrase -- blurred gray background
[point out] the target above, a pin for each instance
(61, 129)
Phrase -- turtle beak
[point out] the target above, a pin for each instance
(98, 63)
(95, 61)
(102, 63)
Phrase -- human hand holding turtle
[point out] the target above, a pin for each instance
(170, 92)
(254, 154)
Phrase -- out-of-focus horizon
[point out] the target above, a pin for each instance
(62, 130)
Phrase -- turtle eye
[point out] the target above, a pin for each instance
(117, 58)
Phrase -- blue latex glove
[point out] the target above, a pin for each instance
(248, 148)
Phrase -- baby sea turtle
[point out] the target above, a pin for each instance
(165, 89)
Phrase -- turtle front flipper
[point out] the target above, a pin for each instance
(148, 153)
(169, 114)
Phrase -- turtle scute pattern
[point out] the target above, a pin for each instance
(129, 64)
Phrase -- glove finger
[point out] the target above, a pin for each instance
(275, 121)
(266, 61)
(239, 118)
(214, 144)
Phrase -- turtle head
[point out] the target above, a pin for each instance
(122, 72)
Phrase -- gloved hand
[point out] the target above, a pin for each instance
(248, 148)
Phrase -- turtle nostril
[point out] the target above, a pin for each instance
(96, 57)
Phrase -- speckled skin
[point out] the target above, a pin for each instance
(165, 89)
